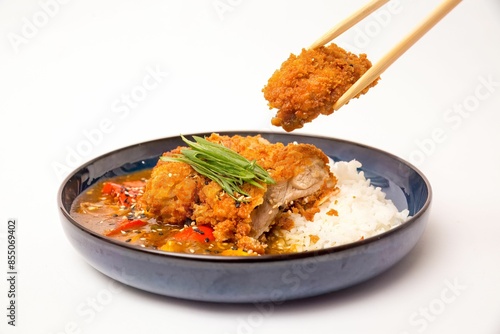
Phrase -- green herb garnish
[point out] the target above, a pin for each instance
(222, 165)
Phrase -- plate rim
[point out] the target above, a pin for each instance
(246, 259)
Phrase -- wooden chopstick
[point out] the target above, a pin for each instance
(374, 72)
(349, 22)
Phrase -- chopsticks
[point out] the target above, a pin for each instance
(387, 60)
(349, 22)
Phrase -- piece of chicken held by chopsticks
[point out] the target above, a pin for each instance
(309, 84)
(177, 194)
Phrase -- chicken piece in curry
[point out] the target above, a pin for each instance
(175, 208)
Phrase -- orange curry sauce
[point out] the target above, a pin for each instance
(111, 208)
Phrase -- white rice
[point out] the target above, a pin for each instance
(363, 211)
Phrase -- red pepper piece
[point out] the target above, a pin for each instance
(200, 233)
(110, 188)
(125, 193)
(126, 225)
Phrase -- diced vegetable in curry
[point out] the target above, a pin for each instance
(179, 207)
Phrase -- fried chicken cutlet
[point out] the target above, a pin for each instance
(177, 194)
(309, 84)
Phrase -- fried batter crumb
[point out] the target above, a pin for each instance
(176, 194)
(309, 84)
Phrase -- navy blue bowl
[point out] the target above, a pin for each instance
(269, 278)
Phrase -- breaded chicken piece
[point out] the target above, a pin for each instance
(302, 178)
(176, 193)
(171, 191)
(309, 84)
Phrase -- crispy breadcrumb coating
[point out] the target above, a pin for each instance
(177, 194)
(172, 189)
(309, 84)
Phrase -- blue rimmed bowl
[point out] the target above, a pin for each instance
(269, 278)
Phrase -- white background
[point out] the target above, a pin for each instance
(67, 68)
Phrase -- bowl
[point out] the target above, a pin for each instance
(268, 278)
